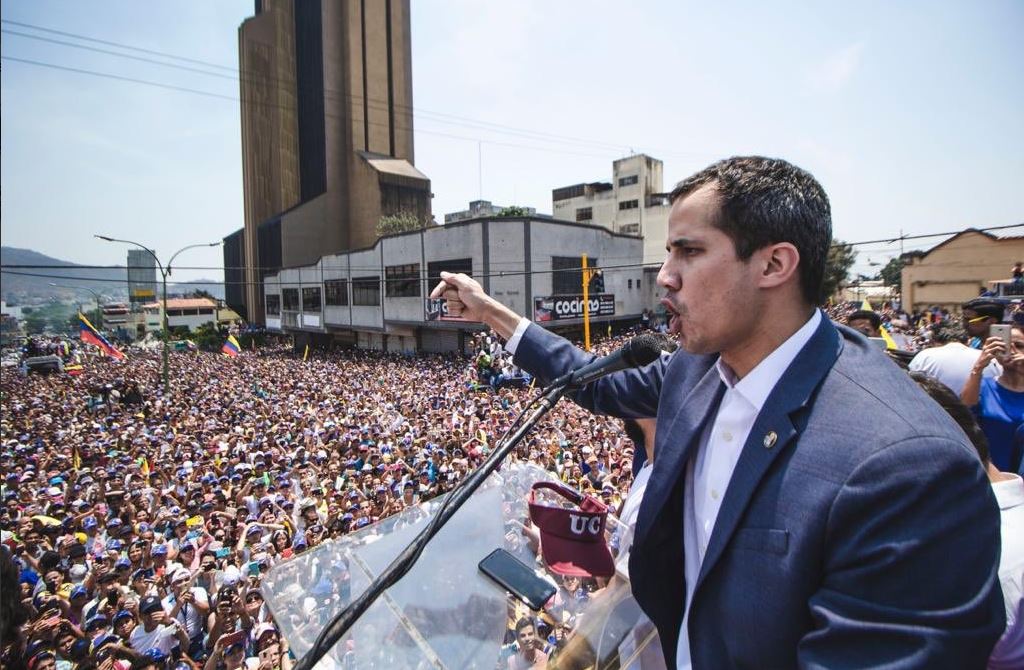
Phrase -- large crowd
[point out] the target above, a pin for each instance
(141, 524)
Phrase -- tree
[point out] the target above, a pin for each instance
(892, 273)
(513, 210)
(841, 257)
(35, 323)
(202, 293)
(403, 222)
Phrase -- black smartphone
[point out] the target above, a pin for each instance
(517, 578)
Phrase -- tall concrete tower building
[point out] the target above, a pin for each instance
(327, 135)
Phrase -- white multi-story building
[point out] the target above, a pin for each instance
(633, 203)
(377, 298)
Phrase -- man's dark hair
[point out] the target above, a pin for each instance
(862, 314)
(955, 408)
(525, 622)
(765, 201)
(985, 307)
(945, 332)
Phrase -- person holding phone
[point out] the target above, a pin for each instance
(188, 604)
(998, 402)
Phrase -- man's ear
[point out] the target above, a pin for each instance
(777, 264)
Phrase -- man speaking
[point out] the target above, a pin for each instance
(808, 505)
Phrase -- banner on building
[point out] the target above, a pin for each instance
(564, 307)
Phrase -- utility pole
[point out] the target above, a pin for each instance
(164, 272)
(586, 304)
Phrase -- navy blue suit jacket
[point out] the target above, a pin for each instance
(865, 535)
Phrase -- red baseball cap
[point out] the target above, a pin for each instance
(572, 539)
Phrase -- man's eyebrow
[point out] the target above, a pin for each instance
(682, 242)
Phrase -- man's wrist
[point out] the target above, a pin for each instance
(499, 317)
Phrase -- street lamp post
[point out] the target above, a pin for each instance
(95, 295)
(164, 272)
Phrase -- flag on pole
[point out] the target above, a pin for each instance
(889, 342)
(306, 354)
(231, 347)
(89, 334)
(144, 466)
(76, 459)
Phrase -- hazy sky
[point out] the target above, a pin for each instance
(909, 113)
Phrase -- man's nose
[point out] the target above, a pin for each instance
(666, 279)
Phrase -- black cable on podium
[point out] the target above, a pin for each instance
(637, 352)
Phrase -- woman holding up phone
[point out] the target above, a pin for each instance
(999, 402)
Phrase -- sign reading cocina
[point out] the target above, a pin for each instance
(561, 307)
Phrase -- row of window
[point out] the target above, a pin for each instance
(628, 181)
(628, 204)
(400, 281)
(567, 278)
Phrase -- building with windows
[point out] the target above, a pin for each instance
(960, 268)
(189, 313)
(633, 203)
(141, 277)
(327, 135)
(377, 297)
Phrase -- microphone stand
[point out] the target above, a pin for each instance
(397, 569)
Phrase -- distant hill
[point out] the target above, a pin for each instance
(22, 285)
(211, 286)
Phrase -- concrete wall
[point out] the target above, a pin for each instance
(511, 258)
(507, 243)
(956, 270)
(306, 231)
(270, 169)
(648, 220)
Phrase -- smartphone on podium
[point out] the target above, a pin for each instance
(517, 578)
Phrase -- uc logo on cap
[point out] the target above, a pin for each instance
(579, 524)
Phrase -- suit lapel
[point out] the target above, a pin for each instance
(674, 442)
(793, 392)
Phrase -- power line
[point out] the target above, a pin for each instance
(210, 94)
(43, 266)
(116, 44)
(423, 113)
(376, 104)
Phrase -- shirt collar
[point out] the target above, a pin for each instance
(759, 382)
(1009, 493)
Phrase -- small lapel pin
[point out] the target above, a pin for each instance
(770, 439)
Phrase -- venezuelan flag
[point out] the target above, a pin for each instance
(89, 334)
(231, 347)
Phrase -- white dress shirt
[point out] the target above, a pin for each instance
(711, 466)
(1009, 651)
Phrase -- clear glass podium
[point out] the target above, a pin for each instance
(445, 613)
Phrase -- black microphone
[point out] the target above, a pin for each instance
(638, 352)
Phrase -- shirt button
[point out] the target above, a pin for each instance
(727, 436)
(714, 494)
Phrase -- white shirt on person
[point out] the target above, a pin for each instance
(951, 364)
(162, 637)
(710, 468)
(188, 613)
(630, 512)
(1009, 650)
